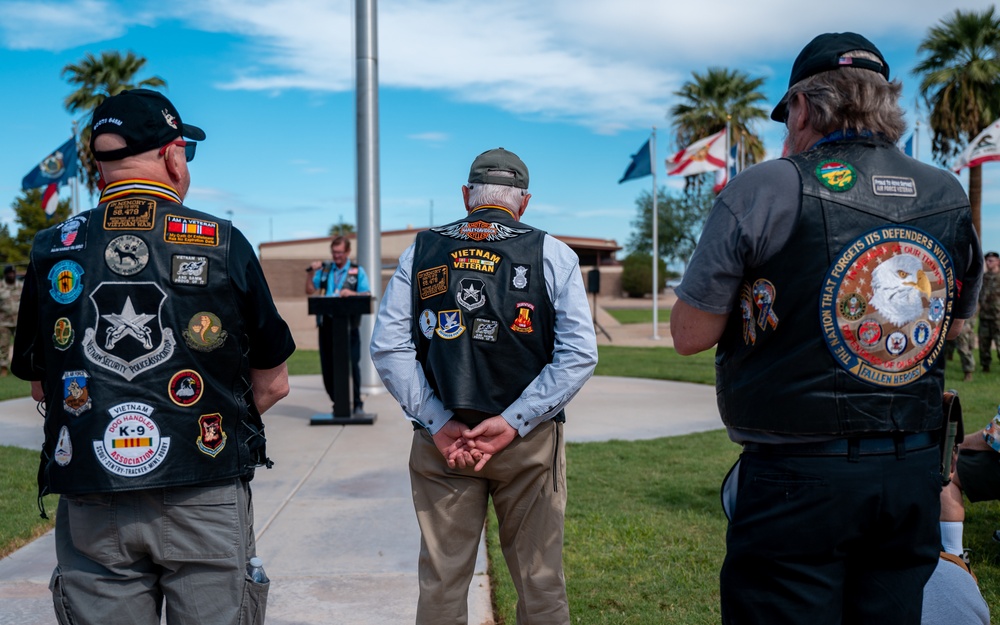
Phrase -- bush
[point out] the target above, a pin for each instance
(637, 274)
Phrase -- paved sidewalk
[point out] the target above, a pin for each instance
(334, 517)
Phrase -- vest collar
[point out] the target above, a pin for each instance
(137, 186)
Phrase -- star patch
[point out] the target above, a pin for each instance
(185, 387)
(836, 175)
(126, 255)
(204, 332)
(471, 294)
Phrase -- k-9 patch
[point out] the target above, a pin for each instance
(132, 444)
(884, 305)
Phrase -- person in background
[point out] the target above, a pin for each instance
(989, 311)
(10, 300)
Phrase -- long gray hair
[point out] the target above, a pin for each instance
(853, 99)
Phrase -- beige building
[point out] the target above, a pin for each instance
(285, 262)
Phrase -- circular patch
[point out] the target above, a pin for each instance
(126, 255)
(853, 307)
(427, 323)
(204, 332)
(185, 387)
(66, 280)
(132, 443)
(836, 175)
(63, 334)
(906, 280)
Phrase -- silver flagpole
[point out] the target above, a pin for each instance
(656, 240)
(369, 222)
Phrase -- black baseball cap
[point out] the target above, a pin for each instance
(825, 53)
(487, 164)
(144, 118)
(991, 255)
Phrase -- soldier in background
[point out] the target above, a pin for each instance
(964, 343)
(989, 310)
(10, 299)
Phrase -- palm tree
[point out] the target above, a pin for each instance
(98, 78)
(711, 99)
(961, 85)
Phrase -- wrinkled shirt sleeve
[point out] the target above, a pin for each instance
(395, 355)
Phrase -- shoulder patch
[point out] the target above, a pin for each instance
(129, 214)
(895, 186)
(836, 175)
(433, 281)
(126, 255)
(204, 332)
(72, 235)
(189, 231)
(66, 280)
(185, 387)
(211, 439)
(450, 324)
(189, 270)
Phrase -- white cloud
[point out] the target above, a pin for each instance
(604, 65)
(432, 137)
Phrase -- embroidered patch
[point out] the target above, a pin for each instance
(189, 231)
(763, 297)
(471, 294)
(906, 278)
(450, 324)
(72, 235)
(63, 334)
(132, 443)
(130, 214)
(66, 278)
(746, 313)
(63, 454)
(427, 323)
(76, 396)
(433, 281)
(480, 231)
(522, 273)
(485, 330)
(836, 175)
(185, 387)
(522, 323)
(204, 332)
(126, 339)
(212, 438)
(476, 259)
(894, 186)
(189, 270)
(126, 255)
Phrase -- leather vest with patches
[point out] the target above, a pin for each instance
(841, 331)
(146, 374)
(484, 325)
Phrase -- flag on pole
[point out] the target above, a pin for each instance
(908, 146)
(641, 165)
(56, 168)
(724, 175)
(985, 147)
(704, 155)
(50, 199)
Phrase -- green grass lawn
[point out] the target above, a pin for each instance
(646, 549)
(639, 315)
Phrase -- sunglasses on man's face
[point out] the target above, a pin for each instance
(189, 147)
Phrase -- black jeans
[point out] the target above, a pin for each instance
(826, 541)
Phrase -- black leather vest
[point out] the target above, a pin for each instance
(484, 325)
(146, 374)
(841, 331)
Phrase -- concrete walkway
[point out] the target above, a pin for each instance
(334, 518)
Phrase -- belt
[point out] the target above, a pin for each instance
(852, 446)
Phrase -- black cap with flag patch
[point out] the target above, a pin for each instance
(144, 118)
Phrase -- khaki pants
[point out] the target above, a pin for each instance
(121, 555)
(527, 482)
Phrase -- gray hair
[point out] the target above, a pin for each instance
(497, 194)
(855, 99)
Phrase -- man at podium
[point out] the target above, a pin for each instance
(340, 278)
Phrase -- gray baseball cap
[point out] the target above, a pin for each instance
(487, 164)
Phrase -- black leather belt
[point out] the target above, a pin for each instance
(855, 445)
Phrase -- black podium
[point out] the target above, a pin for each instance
(338, 311)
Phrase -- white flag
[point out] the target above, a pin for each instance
(985, 147)
(704, 155)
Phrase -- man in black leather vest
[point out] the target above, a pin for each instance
(469, 341)
(148, 331)
(829, 281)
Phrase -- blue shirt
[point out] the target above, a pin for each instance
(338, 275)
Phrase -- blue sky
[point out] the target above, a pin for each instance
(573, 87)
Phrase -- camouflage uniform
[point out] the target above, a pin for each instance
(10, 299)
(989, 318)
(964, 343)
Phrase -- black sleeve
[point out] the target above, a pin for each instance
(271, 341)
(27, 362)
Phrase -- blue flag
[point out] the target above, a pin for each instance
(640, 166)
(908, 148)
(56, 168)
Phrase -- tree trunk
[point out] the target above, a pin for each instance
(976, 197)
